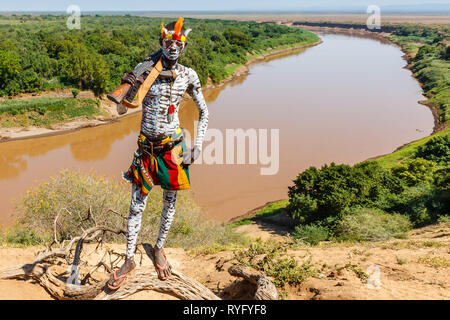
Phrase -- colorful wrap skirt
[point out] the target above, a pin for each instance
(165, 169)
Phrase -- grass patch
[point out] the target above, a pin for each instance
(272, 258)
(307, 42)
(408, 151)
(272, 209)
(397, 245)
(43, 112)
(268, 211)
(435, 262)
(444, 219)
(364, 224)
(401, 261)
(21, 237)
(359, 273)
(311, 234)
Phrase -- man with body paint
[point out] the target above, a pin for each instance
(162, 157)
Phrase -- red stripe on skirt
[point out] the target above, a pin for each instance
(172, 168)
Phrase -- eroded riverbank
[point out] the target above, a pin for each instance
(339, 28)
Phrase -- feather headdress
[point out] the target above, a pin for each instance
(176, 33)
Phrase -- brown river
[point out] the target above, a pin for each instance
(344, 101)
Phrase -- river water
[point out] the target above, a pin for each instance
(345, 100)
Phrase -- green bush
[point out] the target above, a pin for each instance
(271, 257)
(41, 110)
(436, 149)
(23, 237)
(415, 171)
(311, 234)
(237, 37)
(321, 194)
(423, 204)
(75, 92)
(365, 224)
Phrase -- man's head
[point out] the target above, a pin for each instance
(173, 39)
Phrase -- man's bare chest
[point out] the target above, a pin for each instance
(172, 89)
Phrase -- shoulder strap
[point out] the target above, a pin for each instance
(143, 89)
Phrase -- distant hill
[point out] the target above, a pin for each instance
(429, 8)
(425, 8)
(418, 8)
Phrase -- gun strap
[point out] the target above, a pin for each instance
(143, 89)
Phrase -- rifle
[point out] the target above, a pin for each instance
(132, 96)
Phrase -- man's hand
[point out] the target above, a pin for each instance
(190, 155)
(129, 78)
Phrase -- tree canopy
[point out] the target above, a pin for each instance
(40, 52)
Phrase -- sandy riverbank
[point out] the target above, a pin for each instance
(19, 133)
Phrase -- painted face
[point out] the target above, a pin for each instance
(172, 49)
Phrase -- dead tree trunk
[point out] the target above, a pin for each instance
(177, 285)
(265, 289)
(43, 269)
(50, 269)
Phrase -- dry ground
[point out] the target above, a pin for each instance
(413, 268)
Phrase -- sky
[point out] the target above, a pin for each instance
(197, 5)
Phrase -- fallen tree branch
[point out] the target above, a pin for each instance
(265, 289)
(63, 253)
(177, 285)
(59, 287)
(55, 286)
(50, 269)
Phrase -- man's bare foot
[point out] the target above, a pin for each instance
(163, 267)
(119, 276)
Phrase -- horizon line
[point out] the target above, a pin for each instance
(355, 10)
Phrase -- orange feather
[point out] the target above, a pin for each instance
(178, 26)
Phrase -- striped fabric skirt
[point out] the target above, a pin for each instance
(165, 169)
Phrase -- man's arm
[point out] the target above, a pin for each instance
(195, 91)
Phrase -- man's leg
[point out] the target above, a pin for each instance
(137, 207)
(168, 212)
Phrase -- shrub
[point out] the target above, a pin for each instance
(23, 236)
(321, 194)
(237, 37)
(41, 110)
(75, 92)
(436, 149)
(74, 194)
(415, 171)
(311, 234)
(423, 204)
(271, 258)
(364, 224)
(287, 271)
